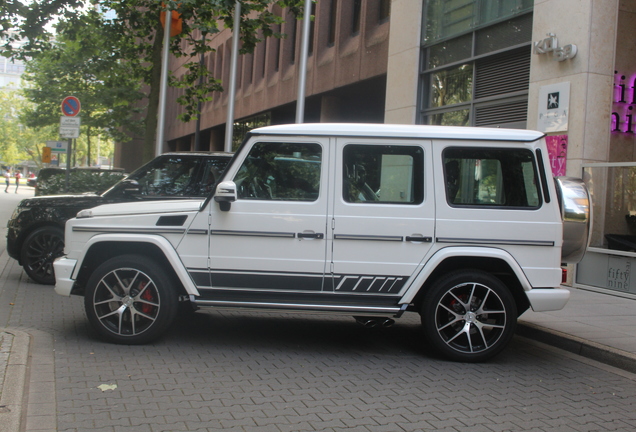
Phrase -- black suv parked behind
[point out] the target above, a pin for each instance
(35, 235)
(52, 181)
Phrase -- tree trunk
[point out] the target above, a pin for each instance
(153, 98)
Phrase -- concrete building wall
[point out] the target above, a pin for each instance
(591, 26)
(345, 75)
(403, 62)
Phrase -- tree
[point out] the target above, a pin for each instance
(80, 63)
(18, 141)
(139, 37)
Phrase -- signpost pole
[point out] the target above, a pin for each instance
(302, 71)
(165, 56)
(69, 151)
(236, 36)
(69, 128)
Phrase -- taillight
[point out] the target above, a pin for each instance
(564, 275)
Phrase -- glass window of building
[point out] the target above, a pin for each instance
(475, 66)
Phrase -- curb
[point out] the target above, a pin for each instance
(592, 350)
(13, 388)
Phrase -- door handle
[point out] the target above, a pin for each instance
(311, 235)
(419, 239)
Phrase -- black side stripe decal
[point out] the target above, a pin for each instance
(136, 230)
(289, 281)
(253, 233)
(368, 237)
(496, 241)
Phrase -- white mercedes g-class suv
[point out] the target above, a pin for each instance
(465, 226)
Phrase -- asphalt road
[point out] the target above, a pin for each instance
(245, 371)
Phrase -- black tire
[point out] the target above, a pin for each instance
(130, 300)
(469, 315)
(39, 250)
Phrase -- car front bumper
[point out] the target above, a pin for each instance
(63, 271)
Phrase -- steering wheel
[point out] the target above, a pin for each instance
(260, 189)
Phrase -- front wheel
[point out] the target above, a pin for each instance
(469, 315)
(39, 250)
(130, 300)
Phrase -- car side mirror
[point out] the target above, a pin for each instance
(130, 187)
(225, 195)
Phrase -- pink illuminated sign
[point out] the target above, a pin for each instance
(624, 99)
(558, 153)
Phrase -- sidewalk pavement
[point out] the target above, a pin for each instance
(595, 325)
(14, 353)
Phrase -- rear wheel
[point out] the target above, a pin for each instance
(469, 315)
(39, 250)
(130, 300)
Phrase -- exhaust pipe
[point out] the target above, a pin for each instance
(370, 322)
(387, 322)
(367, 322)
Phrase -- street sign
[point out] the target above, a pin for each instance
(70, 121)
(69, 132)
(57, 146)
(46, 155)
(71, 106)
(70, 127)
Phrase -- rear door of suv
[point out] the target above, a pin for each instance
(383, 221)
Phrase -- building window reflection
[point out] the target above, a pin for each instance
(475, 62)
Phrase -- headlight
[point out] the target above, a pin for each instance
(18, 210)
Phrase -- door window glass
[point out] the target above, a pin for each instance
(280, 171)
(491, 177)
(383, 174)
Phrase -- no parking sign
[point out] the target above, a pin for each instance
(71, 106)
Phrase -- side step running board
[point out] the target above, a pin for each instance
(347, 309)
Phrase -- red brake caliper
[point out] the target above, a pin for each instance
(456, 306)
(146, 295)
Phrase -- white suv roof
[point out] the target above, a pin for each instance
(401, 131)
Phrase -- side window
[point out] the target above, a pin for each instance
(491, 177)
(280, 171)
(384, 174)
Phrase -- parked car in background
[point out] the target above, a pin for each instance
(35, 235)
(52, 180)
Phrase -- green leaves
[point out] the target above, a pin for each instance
(18, 141)
(108, 53)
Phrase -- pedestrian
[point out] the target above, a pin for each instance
(7, 179)
(18, 176)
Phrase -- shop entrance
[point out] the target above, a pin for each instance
(611, 256)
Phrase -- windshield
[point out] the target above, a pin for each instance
(174, 176)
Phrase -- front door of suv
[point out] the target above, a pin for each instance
(271, 246)
(383, 217)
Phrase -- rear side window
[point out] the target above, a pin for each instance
(478, 177)
(383, 174)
